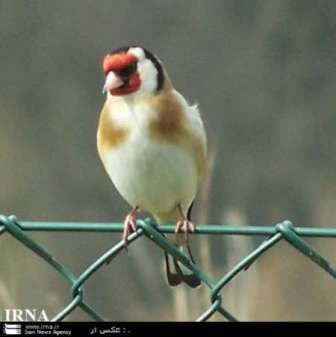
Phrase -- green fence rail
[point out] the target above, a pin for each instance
(284, 230)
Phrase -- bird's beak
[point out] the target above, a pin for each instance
(112, 81)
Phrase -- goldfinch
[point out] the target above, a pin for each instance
(153, 146)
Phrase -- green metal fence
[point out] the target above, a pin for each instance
(146, 228)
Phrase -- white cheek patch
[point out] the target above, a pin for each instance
(138, 52)
(147, 71)
(148, 74)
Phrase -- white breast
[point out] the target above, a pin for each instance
(154, 176)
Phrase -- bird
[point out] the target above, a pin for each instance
(153, 146)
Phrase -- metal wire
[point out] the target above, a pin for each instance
(284, 230)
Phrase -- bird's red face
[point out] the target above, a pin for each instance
(122, 77)
(132, 70)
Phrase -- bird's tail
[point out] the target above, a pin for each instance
(177, 273)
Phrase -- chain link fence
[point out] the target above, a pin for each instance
(146, 228)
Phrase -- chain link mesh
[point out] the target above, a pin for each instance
(146, 228)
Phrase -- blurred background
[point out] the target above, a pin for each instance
(264, 75)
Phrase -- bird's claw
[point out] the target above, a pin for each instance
(185, 226)
(129, 227)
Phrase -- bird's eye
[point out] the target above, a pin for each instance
(128, 70)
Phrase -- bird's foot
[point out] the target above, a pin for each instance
(185, 226)
(129, 225)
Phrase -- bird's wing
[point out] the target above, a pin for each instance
(178, 123)
(199, 137)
